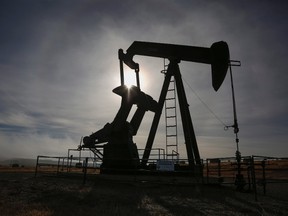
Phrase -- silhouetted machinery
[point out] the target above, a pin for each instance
(120, 152)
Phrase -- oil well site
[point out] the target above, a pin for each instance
(107, 174)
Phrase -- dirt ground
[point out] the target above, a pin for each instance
(21, 194)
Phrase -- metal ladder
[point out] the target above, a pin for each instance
(171, 120)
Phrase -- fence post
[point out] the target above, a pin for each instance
(207, 169)
(219, 169)
(253, 178)
(264, 176)
(85, 170)
(249, 175)
(36, 168)
(62, 168)
(58, 165)
(70, 163)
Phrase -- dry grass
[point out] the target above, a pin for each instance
(9, 169)
(23, 195)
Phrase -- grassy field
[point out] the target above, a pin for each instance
(23, 195)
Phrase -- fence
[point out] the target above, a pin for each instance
(61, 165)
(253, 173)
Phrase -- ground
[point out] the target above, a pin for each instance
(21, 194)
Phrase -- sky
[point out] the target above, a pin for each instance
(59, 64)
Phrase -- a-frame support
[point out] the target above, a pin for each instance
(190, 138)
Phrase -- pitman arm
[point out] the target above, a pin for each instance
(129, 97)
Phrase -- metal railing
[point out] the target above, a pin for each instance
(54, 165)
(257, 172)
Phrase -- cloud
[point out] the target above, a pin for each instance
(59, 64)
(30, 145)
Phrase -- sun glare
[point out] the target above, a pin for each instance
(130, 78)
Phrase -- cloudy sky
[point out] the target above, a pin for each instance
(59, 64)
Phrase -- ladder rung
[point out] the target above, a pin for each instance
(171, 145)
(170, 107)
(173, 98)
(169, 126)
(170, 116)
(171, 155)
(171, 135)
(172, 89)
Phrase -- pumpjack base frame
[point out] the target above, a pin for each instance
(196, 172)
(120, 156)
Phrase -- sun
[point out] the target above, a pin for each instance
(130, 78)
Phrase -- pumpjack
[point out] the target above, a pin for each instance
(120, 152)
